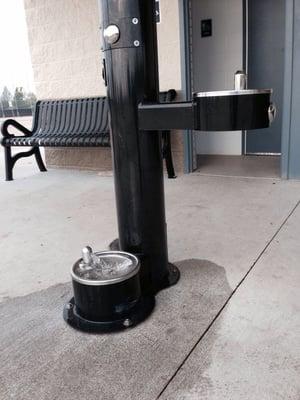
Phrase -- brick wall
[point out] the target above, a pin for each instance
(64, 42)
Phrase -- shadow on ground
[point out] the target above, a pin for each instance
(42, 358)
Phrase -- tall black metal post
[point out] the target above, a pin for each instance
(131, 70)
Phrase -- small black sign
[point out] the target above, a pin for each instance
(157, 11)
(206, 27)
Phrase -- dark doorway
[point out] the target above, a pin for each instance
(266, 36)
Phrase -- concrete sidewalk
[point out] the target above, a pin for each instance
(226, 331)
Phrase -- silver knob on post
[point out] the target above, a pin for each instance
(111, 34)
(240, 80)
(272, 112)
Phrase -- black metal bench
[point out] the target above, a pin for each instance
(69, 123)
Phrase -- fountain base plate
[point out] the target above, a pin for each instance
(137, 315)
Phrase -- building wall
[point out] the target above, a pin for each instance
(65, 50)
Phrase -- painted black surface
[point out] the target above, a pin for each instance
(10, 159)
(230, 113)
(107, 302)
(132, 77)
(63, 123)
(81, 122)
(138, 313)
(131, 73)
(166, 116)
(215, 113)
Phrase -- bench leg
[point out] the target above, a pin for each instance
(9, 164)
(11, 160)
(39, 160)
(167, 154)
(169, 165)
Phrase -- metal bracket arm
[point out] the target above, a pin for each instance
(211, 111)
(166, 116)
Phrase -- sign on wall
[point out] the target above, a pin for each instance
(157, 11)
(206, 27)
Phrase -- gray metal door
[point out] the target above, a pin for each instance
(266, 35)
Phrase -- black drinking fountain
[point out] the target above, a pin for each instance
(116, 289)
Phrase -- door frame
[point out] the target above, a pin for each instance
(245, 59)
(186, 79)
(290, 163)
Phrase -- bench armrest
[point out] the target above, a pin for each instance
(15, 124)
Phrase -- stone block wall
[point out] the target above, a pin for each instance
(64, 42)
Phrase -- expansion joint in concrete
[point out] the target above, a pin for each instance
(228, 300)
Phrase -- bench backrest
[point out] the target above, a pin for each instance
(86, 115)
(82, 116)
(168, 96)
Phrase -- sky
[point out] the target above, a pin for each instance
(15, 61)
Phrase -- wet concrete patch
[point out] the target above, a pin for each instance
(42, 358)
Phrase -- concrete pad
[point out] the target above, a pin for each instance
(42, 358)
(226, 220)
(253, 350)
(47, 218)
(247, 166)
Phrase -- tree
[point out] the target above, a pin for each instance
(22, 99)
(5, 98)
(30, 99)
(19, 98)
